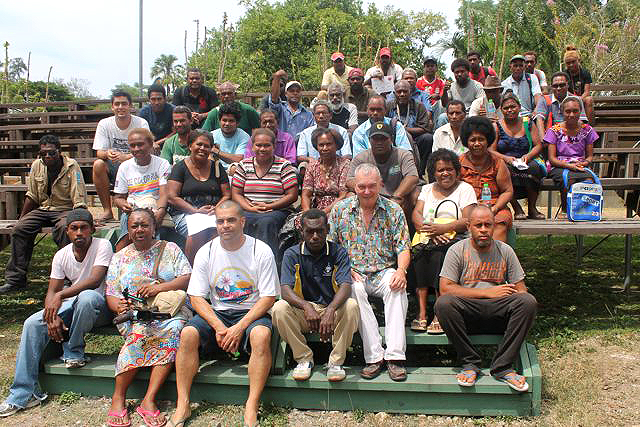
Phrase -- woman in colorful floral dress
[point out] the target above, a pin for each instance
(153, 343)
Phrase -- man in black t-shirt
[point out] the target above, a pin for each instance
(159, 114)
(579, 81)
(315, 287)
(200, 98)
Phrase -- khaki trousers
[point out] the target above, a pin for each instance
(292, 325)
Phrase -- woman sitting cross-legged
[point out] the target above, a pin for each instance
(570, 147)
(518, 141)
(147, 343)
(446, 197)
(482, 169)
(265, 186)
(325, 179)
(196, 184)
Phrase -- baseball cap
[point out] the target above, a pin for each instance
(337, 55)
(292, 83)
(380, 128)
(385, 51)
(356, 72)
(430, 59)
(516, 58)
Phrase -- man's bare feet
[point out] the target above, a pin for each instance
(107, 215)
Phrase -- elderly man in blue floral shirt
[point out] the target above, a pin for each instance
(374, 231)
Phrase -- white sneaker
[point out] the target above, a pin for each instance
(76, 363)
(302, 372)
(335, 373)
(7, 409)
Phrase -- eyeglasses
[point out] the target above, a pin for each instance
(47, 153)
(558, 85)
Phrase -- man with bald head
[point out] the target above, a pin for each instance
(482, 291)
(249, 119)
(374, 231)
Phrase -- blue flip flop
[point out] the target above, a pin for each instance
(468, 374)
(508, 379)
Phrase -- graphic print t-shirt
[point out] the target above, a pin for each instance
(234, 280)
(469, 268)
(142, 183)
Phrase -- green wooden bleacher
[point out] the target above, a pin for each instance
(428, 390)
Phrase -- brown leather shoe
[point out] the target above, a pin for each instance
(396, 369)
(372, 370)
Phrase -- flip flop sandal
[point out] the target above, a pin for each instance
(435, 328)
(509, 379)
(468, 374)
(149, 416)
(539, 216)
(520, 216)
(419, 325)
(122, 414)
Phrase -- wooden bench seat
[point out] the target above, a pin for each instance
(428, 390)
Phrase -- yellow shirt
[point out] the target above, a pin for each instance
(330, 76)
(67, 191)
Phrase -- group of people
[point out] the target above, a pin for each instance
(379, 156)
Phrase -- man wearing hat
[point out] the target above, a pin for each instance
(524, 85)
(397, 166)
(358, 94)
(293, 117)
(69, 311)
(339, 73)
(374, 231)
(384, 67)
(492, 92)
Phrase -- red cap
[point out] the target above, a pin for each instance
(356, 72)
(337, 55)
(385, 51)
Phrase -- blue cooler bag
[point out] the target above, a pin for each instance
(584, 199)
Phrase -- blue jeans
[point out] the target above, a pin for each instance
(266, 226)
(80, 313)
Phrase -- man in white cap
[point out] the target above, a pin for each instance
(524, 85)
(338, 73)
(293, 117)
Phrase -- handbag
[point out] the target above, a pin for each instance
(584, 200)
(170, 302)
(422, 240)
(539, 160)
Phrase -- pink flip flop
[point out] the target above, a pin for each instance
(148, 416)
(122, 414)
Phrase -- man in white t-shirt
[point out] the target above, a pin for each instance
(112, 147)
(141, 182)
(238, 274)
(69, 312)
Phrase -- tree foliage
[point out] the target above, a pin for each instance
(547, 27)
(300, 35)
(170, 73)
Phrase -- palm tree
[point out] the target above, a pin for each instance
(164, 69)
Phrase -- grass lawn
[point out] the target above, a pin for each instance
(586, 332)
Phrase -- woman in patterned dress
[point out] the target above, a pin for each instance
(152, 343)
(325, 178)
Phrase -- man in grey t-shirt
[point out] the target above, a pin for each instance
(482, 290)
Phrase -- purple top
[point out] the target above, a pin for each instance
(570, 149)
(285, 147)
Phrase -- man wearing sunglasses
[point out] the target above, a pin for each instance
(548, 111)
(55, 186)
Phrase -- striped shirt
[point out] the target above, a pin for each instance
(268, 188)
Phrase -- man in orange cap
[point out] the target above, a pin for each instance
(339, 73)
(384, 67)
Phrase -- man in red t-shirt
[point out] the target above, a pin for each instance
(429, 82)
(478, 72)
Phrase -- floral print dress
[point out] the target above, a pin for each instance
(146, 343)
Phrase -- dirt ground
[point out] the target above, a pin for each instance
(588, 380)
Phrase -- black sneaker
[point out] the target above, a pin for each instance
(7, 288)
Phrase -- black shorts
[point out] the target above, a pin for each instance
(208, 343)
(112, 170)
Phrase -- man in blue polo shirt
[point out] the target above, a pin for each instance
(293, 117)
(315, 288)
